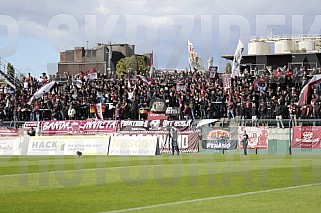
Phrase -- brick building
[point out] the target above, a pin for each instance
(103, 57)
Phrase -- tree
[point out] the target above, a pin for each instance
(228, 68)
(132, 64)
(121, 67)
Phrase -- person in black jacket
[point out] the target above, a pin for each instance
(279, 111)
(245, 141)
(173, 135)
(31, 132)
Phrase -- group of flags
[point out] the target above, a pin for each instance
(194, 61)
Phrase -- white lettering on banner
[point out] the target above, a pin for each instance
(162, 139)
(30, 124)
(168, 123)
(183, 140)
(78, 126)
(183, 123)
(307, 137)
(218, 145)
(100, 125)
(134, 123)
(59, 125)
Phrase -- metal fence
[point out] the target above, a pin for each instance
(277, 123)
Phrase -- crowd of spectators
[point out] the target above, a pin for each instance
(198, 95)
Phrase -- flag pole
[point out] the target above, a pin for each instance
(151, 64)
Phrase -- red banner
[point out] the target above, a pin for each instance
(306, 137)
(8, 132)
(187, 141)
(78, 127)
(258, 137)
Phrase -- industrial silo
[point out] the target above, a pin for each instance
(284, 46)
(308, 45)
(258, 48)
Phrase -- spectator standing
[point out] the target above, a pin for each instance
(279, 111)
(245, 141)
(317, 112)
(293, 113)
(230, 108)
(71, 112)
(254, 114)
(187, 112)
(262, 109)
(174, 137)
(117, 112)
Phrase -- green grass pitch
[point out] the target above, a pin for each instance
(165, 183)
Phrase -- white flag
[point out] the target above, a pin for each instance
(191, 52)
(43, 89)
(237, 59)
(193, 58)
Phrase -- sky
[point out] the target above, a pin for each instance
(32, 33)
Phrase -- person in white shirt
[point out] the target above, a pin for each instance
(26, 84)
(71, 113)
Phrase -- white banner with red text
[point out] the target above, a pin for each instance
(258, 137)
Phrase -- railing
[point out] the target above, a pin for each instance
(276, 123)
(11, 124)
(286, 37)
(13, 80)
(223, 122)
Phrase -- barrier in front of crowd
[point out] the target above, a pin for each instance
(265, 137)
(97, 137)
(152, 137)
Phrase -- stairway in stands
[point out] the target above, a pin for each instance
(12, 81)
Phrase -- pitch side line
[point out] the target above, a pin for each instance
(212, 198)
